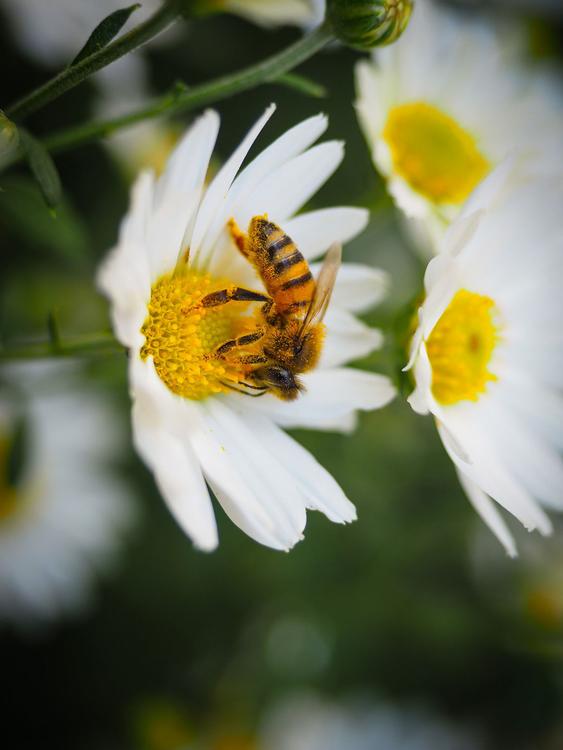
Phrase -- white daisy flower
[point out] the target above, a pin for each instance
(488, 352)
(446, 104)
(175, 248)
(62, 515)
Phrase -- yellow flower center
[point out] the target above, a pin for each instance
(460, 348)
(180, 337)
(435, 155)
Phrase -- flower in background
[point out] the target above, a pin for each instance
(305, 13)
(175, 248)
(306, 721)
(445, 105)
(62, 515)
(488, 351)
(53, 32)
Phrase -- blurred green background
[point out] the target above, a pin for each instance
(413, 605)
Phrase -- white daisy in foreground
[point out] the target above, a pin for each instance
(197, 360)
(445, 105)
(62, 515)
(488, 352)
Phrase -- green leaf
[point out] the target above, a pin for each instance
(105, 32)
(28, 224)
(42, 167)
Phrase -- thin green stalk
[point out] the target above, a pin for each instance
(75, 74)
(183, 100)
(79, 346)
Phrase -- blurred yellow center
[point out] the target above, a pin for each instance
(460, 348)
(436, 156)
(8, 496)
(180, 336)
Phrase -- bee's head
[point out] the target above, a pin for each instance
(280, 380)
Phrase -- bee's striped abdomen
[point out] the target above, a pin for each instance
(283, 268)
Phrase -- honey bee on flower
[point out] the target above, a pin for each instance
(200, 305)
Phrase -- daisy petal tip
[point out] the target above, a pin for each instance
(511, 551)
(206, 545)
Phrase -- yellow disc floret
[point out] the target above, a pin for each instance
(460, 348)
(182, 337)
(435, 155)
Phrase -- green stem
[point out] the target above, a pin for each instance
(75, 74)
(183, 100)
(78, 346)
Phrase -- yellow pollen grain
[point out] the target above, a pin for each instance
(460, 348)
(433, 153)
(180, 337)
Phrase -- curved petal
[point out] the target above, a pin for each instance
(315, 231)
(347, 338)
(322, 492)
(178, 193)
(217, 192)
(255, 490)
(175, 467)
(330, 400)
(357, 287)
(486, 508)
(283, 192)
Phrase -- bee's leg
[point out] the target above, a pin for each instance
(249, 338)
(239, 237)
(224, 296)
(259, 390)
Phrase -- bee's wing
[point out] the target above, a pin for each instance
(324, 287)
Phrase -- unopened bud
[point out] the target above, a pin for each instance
(364, 24)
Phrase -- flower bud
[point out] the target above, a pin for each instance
(364, 24)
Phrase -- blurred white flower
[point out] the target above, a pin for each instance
(175, 248)
(306, 721)
(305, 13)
(445, 105)
(62, 515)
(53, 32)
(488, 351)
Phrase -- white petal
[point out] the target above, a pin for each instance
(217, 192)
(489, 513)
(318, 486)
(290, 187)
(487, 471)
(347, 338)
(286, 147)
(178, 193)
(175, 467)
(315, 231)
(255, 490)
(358, 288)
(124, 276)
(330, 399)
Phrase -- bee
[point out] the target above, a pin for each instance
(289, 337)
